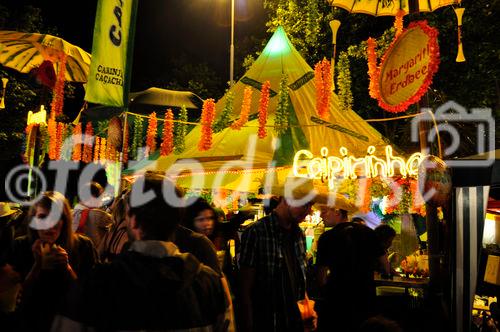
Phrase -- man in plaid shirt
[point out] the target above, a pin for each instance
(273, 264)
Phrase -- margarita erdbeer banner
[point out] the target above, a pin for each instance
(109, 76)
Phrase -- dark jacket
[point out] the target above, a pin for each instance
(144, 290)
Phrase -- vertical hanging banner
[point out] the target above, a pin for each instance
(112, 50)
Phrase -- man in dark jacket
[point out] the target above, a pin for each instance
(152, 286)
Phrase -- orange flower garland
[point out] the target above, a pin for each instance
(398, 22)
(418, 203)
(323, 83)
(372, 68)
(77, 142)
(207, 118)
(125, 144)
(56, 107)
(103, 150)
(167, 145)
(151, 134)
(97, 145)
(59, 138)
(87, 148)
(245, 109)
(52, 128)
(367, 197)
(263, 105)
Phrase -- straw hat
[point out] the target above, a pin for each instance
(296, 188)
(5, 209)
(334, 200)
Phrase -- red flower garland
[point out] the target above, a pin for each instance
(372, 67)
(52, 129)
(125, 144)
(167, 145)
(151, 134)
(87, 148)
(323, 83)
(431, 69)
(245, 109)
(263, 105)
(77, 142)
(97, 145)
(207, 118)
(59, 139)
(367, 197)
(56, 107)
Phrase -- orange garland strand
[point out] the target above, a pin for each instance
(87, 148)
(323, 83)
(59, 138)
(367, 197)
(125, 144)
(77, 142)
(97, 145)
(207, 118)
(245, 109)
(373, 70)
(52, 129)
(398, 22)
(56, 107)
(167, 145)
(151, 134)
(263, 105)
(103, 150)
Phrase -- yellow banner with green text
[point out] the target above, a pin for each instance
(109, 77)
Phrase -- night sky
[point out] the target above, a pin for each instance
(195, 29)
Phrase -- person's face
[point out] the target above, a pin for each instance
(204, 222)
(297, 214)
(48, 235)
(331, 216)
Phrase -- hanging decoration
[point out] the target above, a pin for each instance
(207, 118)
(406, 69)
(263, 106)
(223, 120)
(137, 141)
(459, 12)
(115, 134)
(77, 142)
(151, 134)
(366, 198)
(371, 50)
(323, 83)
(282, 111)
(180, 131)
(52, 128)
(97, 145)
(103, 150)
(344, 83)
(398, 22)
(87, 147)
(59, 139)
(167, 144)
(245, 109)
(43, 142)
(56, 107)
(67, 142)
(125, 143)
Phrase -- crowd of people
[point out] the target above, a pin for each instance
(163, 266)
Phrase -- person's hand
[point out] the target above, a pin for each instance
(56, 258)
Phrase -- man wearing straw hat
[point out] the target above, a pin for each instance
(273, 262)
(346, 258)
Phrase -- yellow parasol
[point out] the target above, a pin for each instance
(390, 7)
(25, 51)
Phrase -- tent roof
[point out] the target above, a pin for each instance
(245, 150)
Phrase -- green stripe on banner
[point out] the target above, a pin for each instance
(301, 81)
(292, 140)
(256, 84)
(339, 128)
(111, 53)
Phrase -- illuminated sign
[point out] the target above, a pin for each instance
(347, 166)
(38, 117)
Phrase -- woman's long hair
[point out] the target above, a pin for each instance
(51, 200)
(192, 211)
